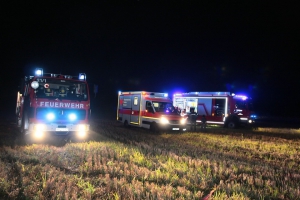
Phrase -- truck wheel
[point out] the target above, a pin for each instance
(18, 121)
(154, 127)
(27, 139)
(126, 125)
(22, 139)
(24, 123)
(231, 124)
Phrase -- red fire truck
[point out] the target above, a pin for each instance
(223, 108)
(150, 110)
(53, 104)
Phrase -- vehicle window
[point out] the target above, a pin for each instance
(70, 90)
(164, 107)
(241, 104)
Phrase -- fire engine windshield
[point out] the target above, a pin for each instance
(62, 89)
(164, 107)
(244, 104)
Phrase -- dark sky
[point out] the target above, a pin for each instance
(237, 46)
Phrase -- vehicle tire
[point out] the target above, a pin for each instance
(27, 139)
(232, 124)
(18, 123)
(23, 139)
(19, 140)
(126, 125)
(24, 123)
(154, 127)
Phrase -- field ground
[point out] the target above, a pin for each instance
(133, 163)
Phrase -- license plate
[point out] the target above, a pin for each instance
(175, 129)
(61, 129)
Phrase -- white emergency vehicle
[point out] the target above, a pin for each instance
(150, 110)
(218, 107)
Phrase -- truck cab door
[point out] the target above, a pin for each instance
(135, 109)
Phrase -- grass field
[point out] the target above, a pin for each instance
(133, 163)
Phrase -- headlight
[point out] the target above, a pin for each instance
(82, 130)
(82, 127)
(183, 121)
(164, 120)
(50, 116)
(39, 131)
(81, 134)
(72, 116)
(39, 127)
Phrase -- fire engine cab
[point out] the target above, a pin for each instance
(218, 107)
(53, 104)
(150, 110)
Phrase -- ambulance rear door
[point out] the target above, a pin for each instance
(135, 109)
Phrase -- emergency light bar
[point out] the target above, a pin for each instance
(156, 94)
(243, 97)
(144, 93)
(38, 72)
(68, 76)
(177, 94)
(192, 94)
(209, 93)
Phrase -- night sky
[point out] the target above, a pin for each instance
(248, 47)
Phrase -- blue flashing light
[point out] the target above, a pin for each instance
(243, 97)
(177, 94)
(82, 76)
(72, 117)
(253, 116)
(39, 72)
(50, 116)
(165, 95)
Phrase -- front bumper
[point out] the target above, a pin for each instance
(172, 127)
(58, 129)
(247, 121)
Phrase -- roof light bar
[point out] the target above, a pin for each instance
(68, 77)
(243, 97)
(177, 94)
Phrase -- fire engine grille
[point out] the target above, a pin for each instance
(60, 114)
(174, 121)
